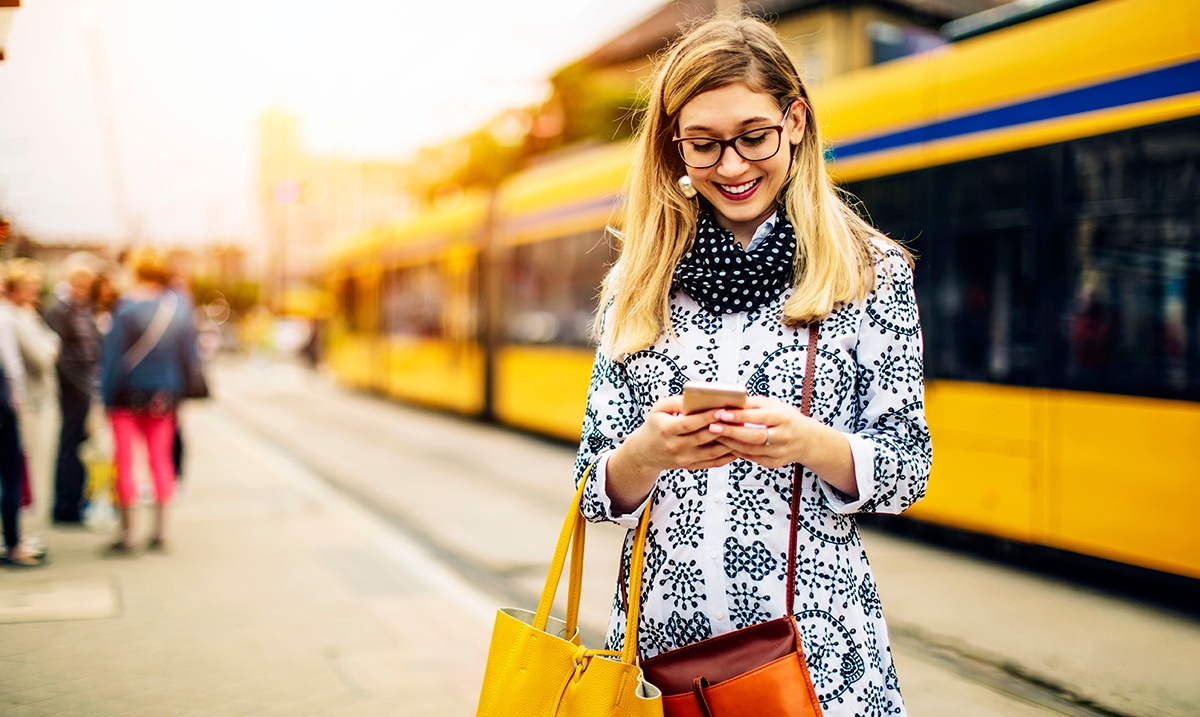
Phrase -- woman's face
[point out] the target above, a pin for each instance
(742, 192)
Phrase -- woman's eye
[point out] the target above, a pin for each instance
(703, 147)
(753, 140)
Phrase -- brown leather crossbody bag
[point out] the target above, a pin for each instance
(757, 671)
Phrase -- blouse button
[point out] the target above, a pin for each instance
(713, 555)
(719, 615)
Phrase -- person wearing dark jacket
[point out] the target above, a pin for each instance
(71, 318)
(148, 355)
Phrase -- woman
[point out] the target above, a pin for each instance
(726, 286)
(18, 552)
(38, 346)
(146, 357)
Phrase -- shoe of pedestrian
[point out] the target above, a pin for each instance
(20, 559)
(158, 545)
(33, 545)
(120, 549)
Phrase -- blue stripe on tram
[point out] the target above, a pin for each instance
(1154, 85)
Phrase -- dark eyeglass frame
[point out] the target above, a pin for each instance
(726, 143)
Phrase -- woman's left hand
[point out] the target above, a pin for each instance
(779, 435)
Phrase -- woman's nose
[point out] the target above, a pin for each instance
(732, 163)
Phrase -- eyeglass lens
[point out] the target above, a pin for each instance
(753, 146)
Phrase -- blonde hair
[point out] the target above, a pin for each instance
(78, 264)
(835, 253)
(22, 270)
(149, 264)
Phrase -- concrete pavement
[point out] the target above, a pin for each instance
(279, 597)
(286, 595)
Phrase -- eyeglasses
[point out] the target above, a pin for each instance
(753, 146)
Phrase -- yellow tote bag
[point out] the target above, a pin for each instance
(536, 666)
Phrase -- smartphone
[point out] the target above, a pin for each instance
(699, 396)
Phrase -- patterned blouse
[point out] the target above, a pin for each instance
(718, 543)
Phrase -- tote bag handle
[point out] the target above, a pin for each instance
(572, 537)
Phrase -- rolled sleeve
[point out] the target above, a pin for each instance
(597, 490)
(862, 451)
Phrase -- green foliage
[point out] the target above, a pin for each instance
(596, 105)
(585, 105)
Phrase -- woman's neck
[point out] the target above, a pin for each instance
(743, 232)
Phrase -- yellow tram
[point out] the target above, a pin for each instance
(1048, 177)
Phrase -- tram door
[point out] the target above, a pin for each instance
(988, 425)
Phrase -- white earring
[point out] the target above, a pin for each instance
(686, 187)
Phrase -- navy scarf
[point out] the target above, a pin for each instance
(723, 278)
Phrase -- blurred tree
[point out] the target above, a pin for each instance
(595, 104)
(585, 105)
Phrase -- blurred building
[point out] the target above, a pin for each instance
(51, 252)
(307, 201)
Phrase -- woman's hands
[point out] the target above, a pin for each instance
(671, 439)
(790, 431)
(667, 439)
(779, 435)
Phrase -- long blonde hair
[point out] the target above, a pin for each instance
(835, 253)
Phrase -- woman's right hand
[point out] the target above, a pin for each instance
(667, 439)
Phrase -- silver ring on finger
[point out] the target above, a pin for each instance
(768, 441)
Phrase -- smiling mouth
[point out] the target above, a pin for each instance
(739, 191)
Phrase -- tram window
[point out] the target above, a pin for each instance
(1130, 315)
(988, 190)
(352, 306)
(1127, 324)
(896, 205)
(1149, 165)
(986, 292)
(553, 287)
(413, 299)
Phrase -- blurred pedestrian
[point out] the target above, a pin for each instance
(312, 347)
(104, 300)
(17, 552)
(38, 414)
(147, 357)
(740, 263)
(178, 283)
(71, 318)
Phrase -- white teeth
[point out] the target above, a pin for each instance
(740, 188)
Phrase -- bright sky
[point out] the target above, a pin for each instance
(188, 78)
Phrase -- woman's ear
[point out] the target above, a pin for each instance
(797, 120)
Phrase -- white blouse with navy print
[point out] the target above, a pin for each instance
(718, 543)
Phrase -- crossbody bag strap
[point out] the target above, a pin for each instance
(153, 333)
(810, 369)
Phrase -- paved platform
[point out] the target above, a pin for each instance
(279, 597)
(316, 570)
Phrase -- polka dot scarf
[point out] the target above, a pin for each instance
(724, 279)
